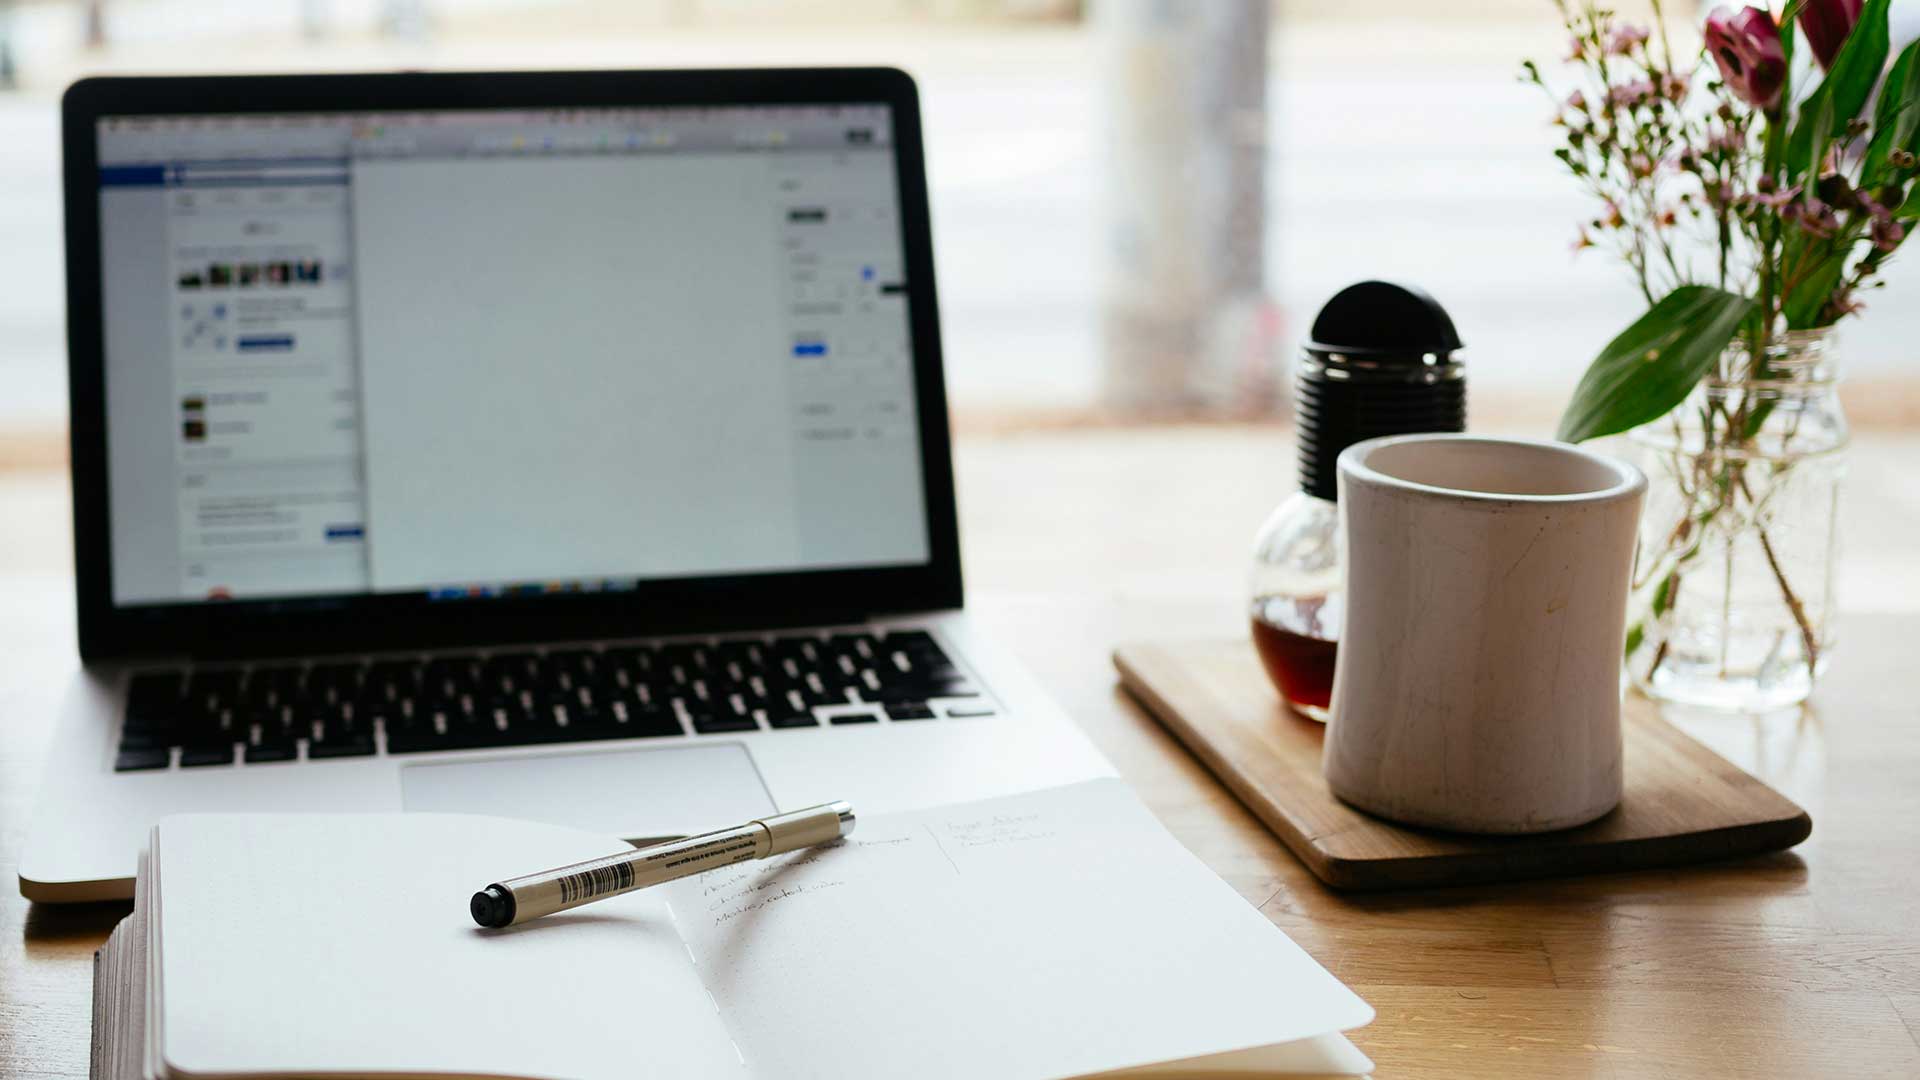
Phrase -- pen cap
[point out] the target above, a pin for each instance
(814, 825)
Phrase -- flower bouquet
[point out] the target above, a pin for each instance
(1753, 214)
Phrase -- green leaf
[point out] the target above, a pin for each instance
(1809, 164)
(1845, 88)
(1653, 364)
(1663, 595)
(1804, 304)
(1896, 116)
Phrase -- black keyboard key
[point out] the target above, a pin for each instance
(209, 693)
(192, 714)
(141, 759)
(599, 722)
(828, 691)
(860, 648)
(445, 681)
(854, 718)
(909, 710)
(396, 715)
(156, 720)
(416, 742)
(145, 740)
(898, 695)
(696, 659)
(509, 673)
(805, 653)
(206, 754)
(792, 720)
(721, 723)
(331, 684)
(631, 720)
(264, 752)
(345, 746)
(209, 728)
(440, 695)
(344, 721)
(267, 687)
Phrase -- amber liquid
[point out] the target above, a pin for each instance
(1297, 640)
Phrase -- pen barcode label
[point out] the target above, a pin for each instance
(588, 884)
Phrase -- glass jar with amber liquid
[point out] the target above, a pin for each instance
(1381, 361)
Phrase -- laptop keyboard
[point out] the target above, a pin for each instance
(282, 712)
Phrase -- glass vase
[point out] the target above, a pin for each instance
(1733, 581)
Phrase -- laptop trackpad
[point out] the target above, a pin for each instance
(633, 794)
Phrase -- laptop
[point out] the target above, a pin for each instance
(563, 446)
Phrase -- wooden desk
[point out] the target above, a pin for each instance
(1796, 965)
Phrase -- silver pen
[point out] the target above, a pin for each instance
(516, 900)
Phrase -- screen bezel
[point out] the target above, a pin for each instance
(375, 622)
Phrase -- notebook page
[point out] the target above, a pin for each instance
(342, 944)
(1054, 933)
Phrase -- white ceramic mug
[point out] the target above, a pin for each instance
(1477, 685)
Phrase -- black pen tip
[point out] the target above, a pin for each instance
(492, 906)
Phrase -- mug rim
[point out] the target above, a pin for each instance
(1629, 481)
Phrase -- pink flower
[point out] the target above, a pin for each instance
(1779, 200)
(1746, 46)
(1625, 39)
(1629, 94)
(1827, 24)
(1818, 218)
(1577, 101)
(1887, 233)
(1872, 206)
(1674, 87)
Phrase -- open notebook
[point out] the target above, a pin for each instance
(1051, 934)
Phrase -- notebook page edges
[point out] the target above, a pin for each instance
(143, 993)
(119, 989)
(342, 944)
(1054, 933)
(1329, 1055)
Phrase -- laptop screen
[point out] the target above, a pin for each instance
(468, 354)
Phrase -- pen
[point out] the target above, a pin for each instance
(516, 900)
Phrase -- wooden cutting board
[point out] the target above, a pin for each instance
(1683, 802)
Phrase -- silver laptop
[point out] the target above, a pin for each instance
(566, 446)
